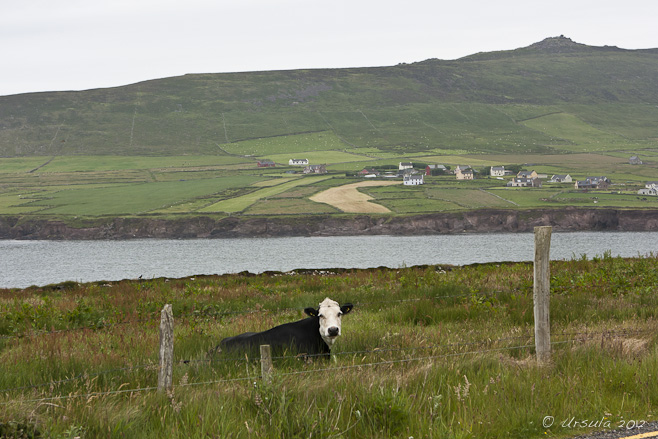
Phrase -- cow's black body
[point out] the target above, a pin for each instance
(302, 336)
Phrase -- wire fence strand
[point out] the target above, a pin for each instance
(287, 374)
(584, 335)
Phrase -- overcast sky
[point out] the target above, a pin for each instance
(48, 45)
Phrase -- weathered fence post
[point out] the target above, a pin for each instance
(266, 366)
(166, 370)
(541, 292)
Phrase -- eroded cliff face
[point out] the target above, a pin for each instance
(479, 221)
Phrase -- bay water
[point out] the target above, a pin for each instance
(26, 263)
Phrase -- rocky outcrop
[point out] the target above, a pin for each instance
(478, 221)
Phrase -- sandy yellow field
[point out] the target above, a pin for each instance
(348, 199)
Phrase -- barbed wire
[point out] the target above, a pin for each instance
(210, 361)
(284, 374)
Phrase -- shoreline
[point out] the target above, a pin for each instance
(216, 227)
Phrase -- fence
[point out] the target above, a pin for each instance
(542, 342)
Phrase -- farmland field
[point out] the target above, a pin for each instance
(347, 198)
(242, 202)
(116, 185)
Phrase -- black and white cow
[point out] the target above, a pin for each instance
(313, 335)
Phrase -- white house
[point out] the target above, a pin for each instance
(298, 162)
(561, 179)
(497, 171)
(413, 180)
(524, 182)
(645, 191)
(651, 188)
(407, 165)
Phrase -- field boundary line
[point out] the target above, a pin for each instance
(498, 196)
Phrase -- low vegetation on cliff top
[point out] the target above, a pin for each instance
(432, 351)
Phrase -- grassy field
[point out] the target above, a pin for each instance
(238, 204)
(434, 351)
(292, 144)
(113, 185)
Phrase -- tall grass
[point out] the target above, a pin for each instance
(433, 351)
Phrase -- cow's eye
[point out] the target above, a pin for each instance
(321, 316)
(340, 314)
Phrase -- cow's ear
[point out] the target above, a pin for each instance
(311, 312)
(347, 307)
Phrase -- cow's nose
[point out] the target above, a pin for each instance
(333, 331)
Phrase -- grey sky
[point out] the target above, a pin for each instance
(50, 45)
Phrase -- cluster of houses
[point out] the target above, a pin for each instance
(533, 179)
(593, 183)
(308, 168)
(414, 177)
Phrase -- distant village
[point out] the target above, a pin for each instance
(413, 176)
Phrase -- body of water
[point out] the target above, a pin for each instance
(26, 263)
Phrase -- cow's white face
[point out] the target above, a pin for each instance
(329, 312)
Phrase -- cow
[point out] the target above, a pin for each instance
(314, 335)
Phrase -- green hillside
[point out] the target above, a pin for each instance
(190, 144)
(494, 102)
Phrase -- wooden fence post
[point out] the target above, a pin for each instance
(166, 370)
(266, 366)
(541, 293)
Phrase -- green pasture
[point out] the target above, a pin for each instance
(242, 202)
(288, 206)
(52, 180)
(291, 144)
(371, 152)
(15, 203)
(468, 198)
(112, 163)
(580, 135)
(409, 205)
(633, 122)
(522, 112)
(430, 198)
(20, 164)
(422, 127)
(527, 197)
(426, 352)
(132, 198)
(607, 199)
